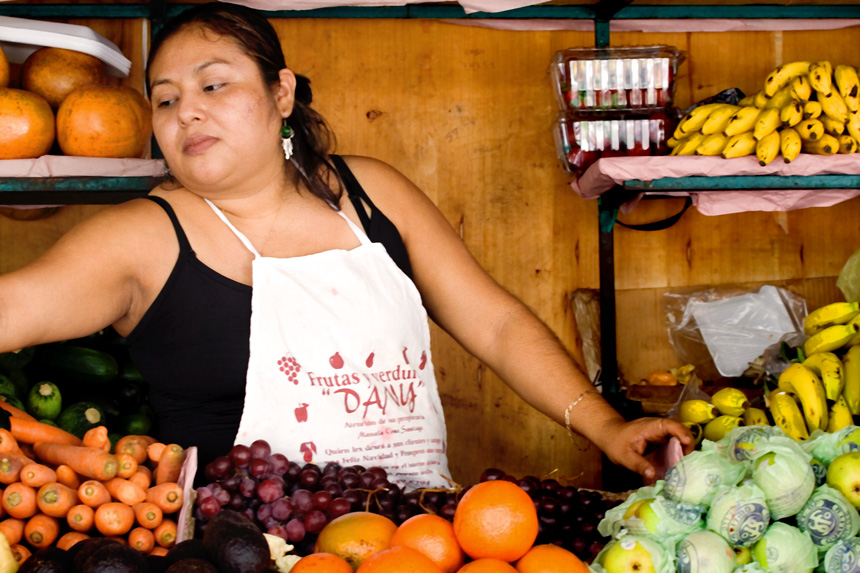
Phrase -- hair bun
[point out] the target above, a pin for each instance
(303, 90)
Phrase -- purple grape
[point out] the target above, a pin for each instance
(334, 490)
(231, 483)
(293, 472)
(279, 531)
(240, 455)
(302, 501)
(295, 530)
(401, 514)
(250, 513)
(223, 496)
(547, 505)
(447, 511)
(491, 474)
(331, 468)
(218, 468)
(264, 512)
(528, 487)
(315, 521)
(209, 507)
(260, 449)
(366, 480)
(281, 509)
(378, 472)
(550, 486)
(309, 479)
(203, 492)
(248, 487)
(258, 468)
(237, 502)
(350, 480)
(269, 490)
(278, 464)
(339, 506)
(321, 499)
(380, 483)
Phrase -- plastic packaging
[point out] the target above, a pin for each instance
(739, 514)
(848, 280)
(705, 552)
(785, 548)
(844, 556)
(627, 78)
(828, 518)
(640, 548)
(647, 512)
(782, 471)
(696, 477)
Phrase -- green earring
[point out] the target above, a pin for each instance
(287, 140)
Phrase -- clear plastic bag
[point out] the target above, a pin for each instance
(849, 278)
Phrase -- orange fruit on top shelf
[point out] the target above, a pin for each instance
(432, 536)
(4, 69)
(398, 560)
(27, 124)
(356, 536)
(550, 559)
(487, 565)
(321, 563)
(103, 121)
(54, 73)
(496, 519)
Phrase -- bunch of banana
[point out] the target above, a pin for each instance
(727, 409)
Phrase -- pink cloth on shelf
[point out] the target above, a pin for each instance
(607, 173)
(70, 166)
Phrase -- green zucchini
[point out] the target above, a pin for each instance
(80, 364)
(7, 387)
(44, 400)
(13, 401)
(16, 359)
(80, 417)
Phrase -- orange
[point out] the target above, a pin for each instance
(28, 124)
(487, 565)
(4, 69)
(103, 121)
(54, 73)
(398, 560)
(496, 519)
(321, 563)
(356, 536)
(432, 536)
(550, 559)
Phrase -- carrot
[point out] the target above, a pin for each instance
(141, 539)
(97, 438)
(148, 514)
(30, 432)
(67, 476)
(167, 496)
(65, 542)
(8, 443)
(80, 517)
(169, 464)
(127, 465)
(165, 533)
(154, 451)
(55, 499)
(114, 518)
(37, 475)
(13, 529)
(93, 493)
(20, 553)
(10, 468)
(125, 491)
(134, 445)
(41, 530)
(27, 450)
(19, 500)
(16, 412)
(142, 477)
(88, 462)
(158, 551)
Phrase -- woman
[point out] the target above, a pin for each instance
(344, 255)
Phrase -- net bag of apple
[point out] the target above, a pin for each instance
(828, 517)
(785, 548)
(843, 556)
(824, 446)
(646, 511)
(742, 443)
(696, 477)
(783, 472)
(739, 514)
(629, 552)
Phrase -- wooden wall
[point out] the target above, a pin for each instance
(467, 113)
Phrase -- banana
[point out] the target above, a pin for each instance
(695, 119)
(801, 89)
(812, 110)
(767, 148)
(782, 75)
(791, 114)
(780, 99)
(856, 338)
(688, 145)
(697, 411)
(786, 415)
(716, 429)
(672, 143)
(741, 145)
(833, 105)
(830, 339)
(847, 144)
(810, 129)
(828, 368)
(848, 84)
(742, 120)
(820, 76)
(828, 315)
(840, 416)
(713, 144)
(748, 100)
(851, 373)
(853, 125)
(755, 417)
(696, 430)
(832, 126)
(718, 119)
(760, 99)
(766, 122)
(824, 145)
(730, 401)
(799, 380)
(789, 144)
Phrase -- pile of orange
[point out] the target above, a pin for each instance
(494, 530)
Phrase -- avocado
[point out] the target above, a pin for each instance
(82, 550)
(234, 544)
(47, 560)
(116, 558)
(188, 549)
(156, 563)
(192, 566)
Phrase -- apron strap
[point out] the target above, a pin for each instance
(236, 231)
(359, 233)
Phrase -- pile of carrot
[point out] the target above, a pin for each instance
(58, 489)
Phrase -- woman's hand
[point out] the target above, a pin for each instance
(630, 440)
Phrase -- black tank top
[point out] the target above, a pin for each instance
(192, 344)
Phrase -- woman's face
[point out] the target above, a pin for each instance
(215, 120)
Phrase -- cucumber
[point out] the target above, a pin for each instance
(135, 425)
(13, 401)
(44, 400)
(7, 387)
(80, 364)
(16, 359)
(80, 417)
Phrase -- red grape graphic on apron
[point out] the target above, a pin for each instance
(290, 367)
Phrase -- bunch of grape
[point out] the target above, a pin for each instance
(567, 516)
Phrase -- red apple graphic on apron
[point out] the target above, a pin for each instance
(369, 361)
(336, 361)
(302, 413)
(308, 450)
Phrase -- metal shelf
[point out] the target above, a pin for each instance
(73, 190)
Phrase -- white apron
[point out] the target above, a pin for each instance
(340, 366)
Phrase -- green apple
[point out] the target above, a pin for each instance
(627, 555)
(649, 517)
(844, 476)
(850, 442)
(743, 555)
(759, 552)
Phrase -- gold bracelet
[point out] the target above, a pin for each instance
(573, 405)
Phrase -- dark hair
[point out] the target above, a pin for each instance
(256, 37)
